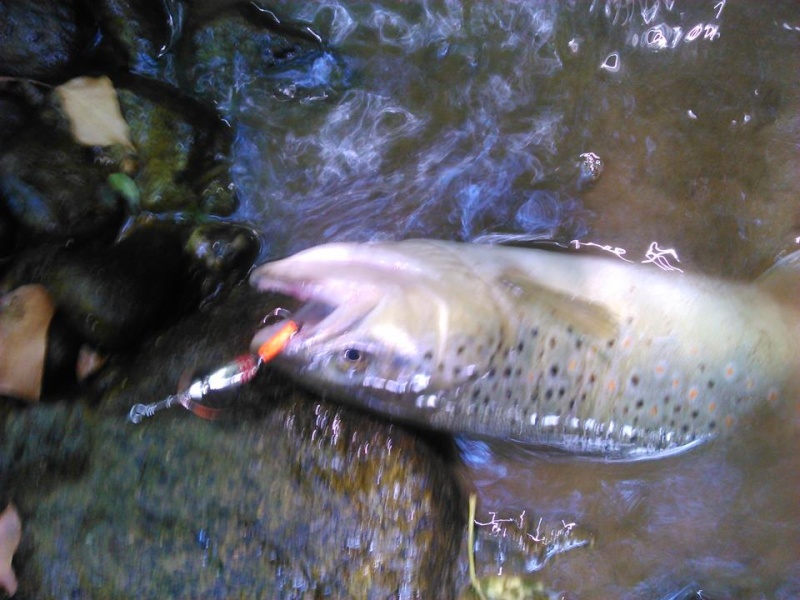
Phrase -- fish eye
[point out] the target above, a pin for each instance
(352, 359)
(352, 355)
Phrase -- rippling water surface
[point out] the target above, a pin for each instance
(455, 119)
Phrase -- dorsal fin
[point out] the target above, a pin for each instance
(594, 320)
(782, 280)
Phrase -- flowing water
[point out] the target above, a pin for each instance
(454, 119)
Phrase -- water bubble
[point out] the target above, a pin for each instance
(612, 63)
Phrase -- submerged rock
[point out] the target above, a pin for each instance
(246, 46)
(289, 497)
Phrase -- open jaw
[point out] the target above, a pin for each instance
(325, 311)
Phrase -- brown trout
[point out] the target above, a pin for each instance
(582, 353)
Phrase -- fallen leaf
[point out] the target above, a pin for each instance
(88, 363)
(25, 315)
(10, 535)
(93, 109)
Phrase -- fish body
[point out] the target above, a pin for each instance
(582, 353)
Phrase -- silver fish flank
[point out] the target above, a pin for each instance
(581, 353)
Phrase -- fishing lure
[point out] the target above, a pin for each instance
(238, 372)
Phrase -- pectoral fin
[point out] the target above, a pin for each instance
(587, 318)
(782, 280)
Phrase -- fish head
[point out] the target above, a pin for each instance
(388, 326)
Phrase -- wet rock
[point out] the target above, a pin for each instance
(221, 254)
(42, 39)
(251, 47)
(141, 33)
(7, 238)
(61, 369)
(15, 113)
(113, 297)
(53, 188)
(287, 498)
(183, 149)
(41, 442)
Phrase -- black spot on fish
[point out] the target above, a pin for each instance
(572, 404)
(476, 392)
(634, 380)
(507, 372)
(427, 356)
(491, 373)
(610, 343)
(711, 384)
(685, 429)
(548, 393)
(554, 370)
(578, 343)
(702, 367)
(561, 392)
(695, 413)
(456, 371)
(712, 425)
(520, 346)
(583, 397)
(534, 332)
(508, 394)
(486, 400)
(460, 350)
(677, 408)
(640, 403)
(592, 378)
(569, 329)
(552, 343)
(666, 399)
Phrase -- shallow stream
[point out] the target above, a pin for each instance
(454, 119)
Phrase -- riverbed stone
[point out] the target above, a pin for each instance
(68, 199)
(42, 39)
(285, 497)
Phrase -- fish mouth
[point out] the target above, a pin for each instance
(324, 312)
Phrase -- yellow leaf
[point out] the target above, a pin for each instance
(25, 315)
(93, 110)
